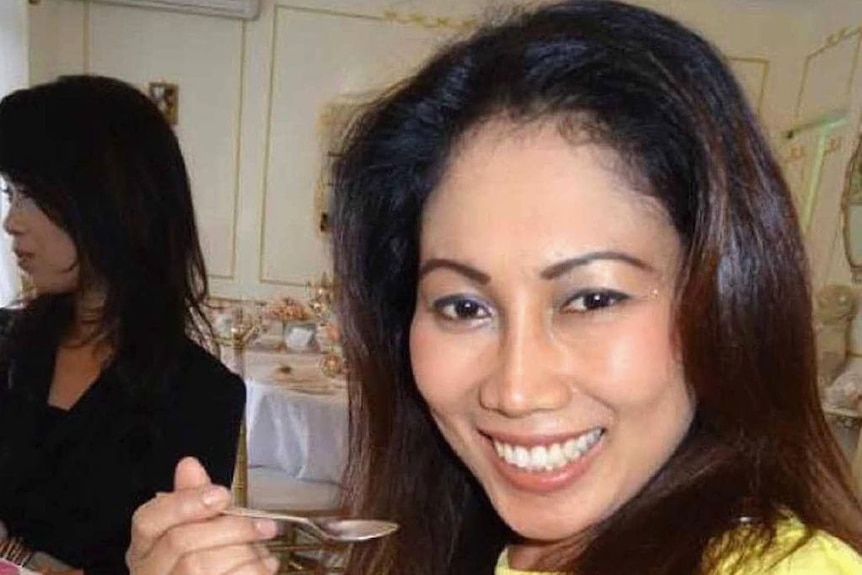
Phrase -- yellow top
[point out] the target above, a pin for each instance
(823, 554)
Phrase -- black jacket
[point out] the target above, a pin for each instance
(70, 481)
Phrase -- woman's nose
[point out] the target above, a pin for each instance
(12, 221)
(530, 374)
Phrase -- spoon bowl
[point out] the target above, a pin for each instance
(329, 528)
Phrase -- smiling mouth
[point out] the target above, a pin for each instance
(550, 457)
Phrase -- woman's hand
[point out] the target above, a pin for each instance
(183, 532)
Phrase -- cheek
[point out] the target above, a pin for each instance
(65, 245)
(641, 361)
(58, 243)
(67, 255)
(440, 367)
(428, 371)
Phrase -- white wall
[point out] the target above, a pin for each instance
(13, 75)
(252, 95)
(13, 45)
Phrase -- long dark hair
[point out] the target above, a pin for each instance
(662, 99)
(100, 160)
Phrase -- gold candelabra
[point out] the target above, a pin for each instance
(321, 294)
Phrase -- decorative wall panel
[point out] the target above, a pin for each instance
(827, 76)
(320, 57)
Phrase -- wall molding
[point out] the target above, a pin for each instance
(764, 75)
(832, 41)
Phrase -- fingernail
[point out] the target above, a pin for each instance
(271, 563)
(214, 496)
(265, 527)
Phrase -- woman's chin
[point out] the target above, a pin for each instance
(540, 524)
(543, 533)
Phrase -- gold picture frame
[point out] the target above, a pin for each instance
(166, 97)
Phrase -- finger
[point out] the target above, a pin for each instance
(228, 559)
(183, 547)
(152, 519)
(264, 566)
(190, 473)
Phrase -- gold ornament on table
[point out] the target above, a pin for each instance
(333, 365)
(237, 323)
(321, 295)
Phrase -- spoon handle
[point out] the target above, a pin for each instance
(260, 514)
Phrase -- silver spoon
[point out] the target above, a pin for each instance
(331, 528)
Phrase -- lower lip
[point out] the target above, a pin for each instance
(546, 481)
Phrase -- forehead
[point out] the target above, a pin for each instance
(505, 179)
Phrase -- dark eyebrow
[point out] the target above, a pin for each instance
(560, 268)
(463, 269)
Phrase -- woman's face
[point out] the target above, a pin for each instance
(45, 252)
(542, 338)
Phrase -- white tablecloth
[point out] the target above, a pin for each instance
(303, 434)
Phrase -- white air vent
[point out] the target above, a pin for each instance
(245, 9)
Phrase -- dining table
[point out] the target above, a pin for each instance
(296, 417)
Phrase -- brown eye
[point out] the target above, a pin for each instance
(460, 308)
(592, 300)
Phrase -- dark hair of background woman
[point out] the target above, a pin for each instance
(100, 160)
(660, 97)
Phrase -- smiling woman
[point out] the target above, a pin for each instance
(545, 353)
(574, 298)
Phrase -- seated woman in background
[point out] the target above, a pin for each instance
(102, 391)
(575, 306)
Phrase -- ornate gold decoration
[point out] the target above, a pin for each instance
(796, 153)
(332, 364)
(321, 295)
(430, 22)
(833, 145)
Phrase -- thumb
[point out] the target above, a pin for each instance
(190, 473)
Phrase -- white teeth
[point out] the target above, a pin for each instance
(538, 457)
(522, 457)
(548, 457)
(570, 448)
(555, 456)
